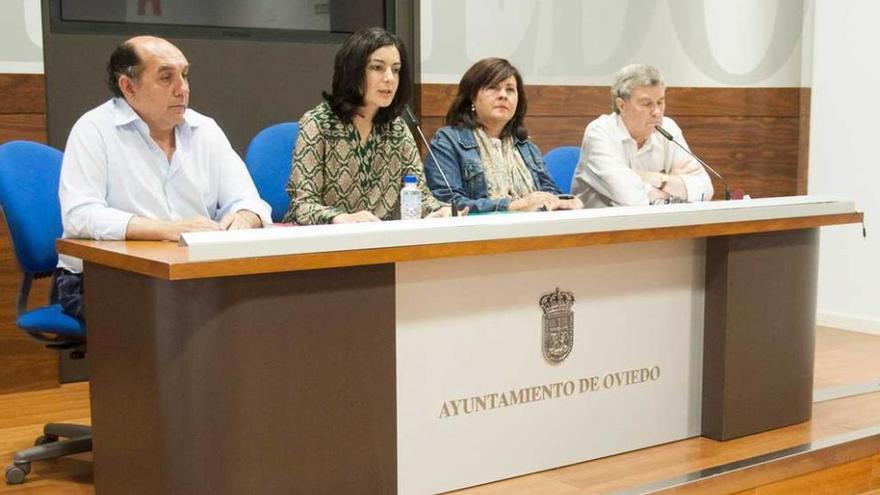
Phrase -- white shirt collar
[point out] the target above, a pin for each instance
(123, 114)
(622, 133)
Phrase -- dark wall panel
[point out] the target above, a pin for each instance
(244, 84)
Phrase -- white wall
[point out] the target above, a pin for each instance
(831, 46)
(21, 37)
(745, 43)
(844, 129)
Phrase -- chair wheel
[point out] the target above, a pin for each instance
(15, 473)
(44, 439)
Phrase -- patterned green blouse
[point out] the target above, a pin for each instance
(333, 173)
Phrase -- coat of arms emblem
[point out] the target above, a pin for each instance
(558, 335)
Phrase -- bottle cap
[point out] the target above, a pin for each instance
(409, 179)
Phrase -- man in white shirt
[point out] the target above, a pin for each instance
(144, 166)
(624, 160)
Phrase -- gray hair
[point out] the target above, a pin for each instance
(631, 77)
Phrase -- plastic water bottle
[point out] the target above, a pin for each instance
(410, 199)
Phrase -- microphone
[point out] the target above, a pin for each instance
(411, 117)
(737, 193)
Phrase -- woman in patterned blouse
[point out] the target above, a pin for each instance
(353, 150)
(484, 150)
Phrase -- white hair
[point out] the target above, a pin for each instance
(631, 77)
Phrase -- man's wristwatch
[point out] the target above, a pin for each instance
(663, 180)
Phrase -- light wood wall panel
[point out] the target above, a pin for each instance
(30, 127)
(24, 363)
(757, 138)
(22, 93)
(22, 107)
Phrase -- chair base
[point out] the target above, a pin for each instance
(78, 439)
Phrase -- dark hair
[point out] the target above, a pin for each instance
(349, 70)
(481, 75)
(123, 61)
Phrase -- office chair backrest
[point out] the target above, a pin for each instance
(561, 163)
(268, 160)
(29, 175)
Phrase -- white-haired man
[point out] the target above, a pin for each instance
(624, 161)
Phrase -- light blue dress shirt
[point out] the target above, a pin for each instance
(113, 170)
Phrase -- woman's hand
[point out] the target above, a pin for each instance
(357, 217)
(446, 212)
(538, 200)
(570, 204)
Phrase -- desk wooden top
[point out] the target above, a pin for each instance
(170, 261)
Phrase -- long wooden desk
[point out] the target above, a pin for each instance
(354, 359)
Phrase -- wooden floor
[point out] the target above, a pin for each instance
(22, 417)
(842, 358)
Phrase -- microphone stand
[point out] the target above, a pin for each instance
(415, 122)
(668, 136)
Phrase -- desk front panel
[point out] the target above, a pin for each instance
(429, 375)
(267, 384)
(477, 399)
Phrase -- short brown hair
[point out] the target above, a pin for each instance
(481, 75)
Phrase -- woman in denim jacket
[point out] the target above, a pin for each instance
(484, 150)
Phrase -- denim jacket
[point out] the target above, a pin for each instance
(455, 148)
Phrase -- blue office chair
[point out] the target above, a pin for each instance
(561, 163)
(268, 158)
(29, 175)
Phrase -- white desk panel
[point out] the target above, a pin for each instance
(468, 327)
